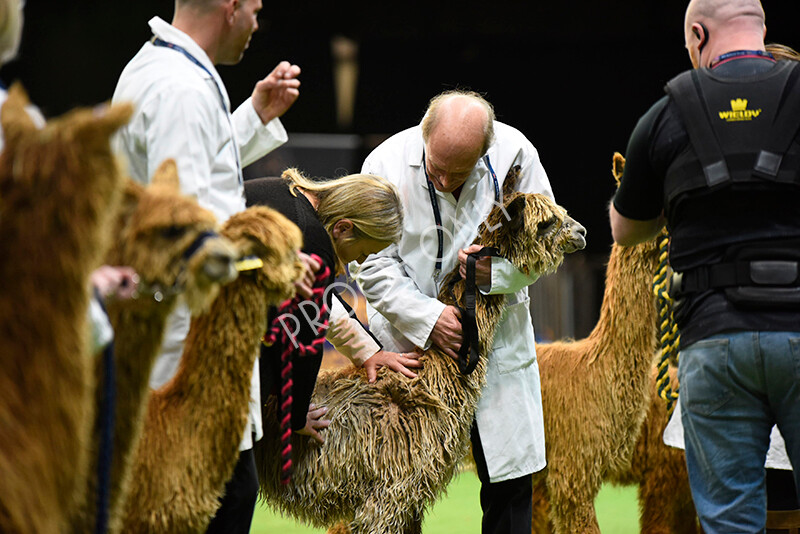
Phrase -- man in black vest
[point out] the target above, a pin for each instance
(718, 160)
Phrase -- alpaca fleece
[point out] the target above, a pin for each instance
(194, 423)
(154, 228)
(393, 446)
(59, 188)
(596, 391)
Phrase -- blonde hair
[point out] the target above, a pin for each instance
(370, 202)
(10, 29)
(780, 51)
(432, 115)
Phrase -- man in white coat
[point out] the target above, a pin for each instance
(449, 171)
(182, 111)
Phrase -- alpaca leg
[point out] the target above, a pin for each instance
(541, 509)
(665, 498)
(657, 507)
(382, 515)
(572, 505)
(658, 501)
(575, 517)
(684, 517)
(339, 528)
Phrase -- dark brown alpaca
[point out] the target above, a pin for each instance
(393, 446)
(59, 188)
(155, 228)
(194, 423)
(595, 393)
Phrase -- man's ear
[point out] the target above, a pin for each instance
(231, 6)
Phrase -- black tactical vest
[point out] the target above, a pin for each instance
(740, 131)
(741, 134)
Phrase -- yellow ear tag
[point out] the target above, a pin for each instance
(249, 263)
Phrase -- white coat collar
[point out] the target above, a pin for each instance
(167, 32)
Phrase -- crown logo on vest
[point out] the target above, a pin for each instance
(739, 111)
(740, 104)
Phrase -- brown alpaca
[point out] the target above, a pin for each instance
(595, 393)
(394, 445)
(155, 228)
(194, 423)
(59, 186)
(665, 499)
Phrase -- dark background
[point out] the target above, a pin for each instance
(573, 76)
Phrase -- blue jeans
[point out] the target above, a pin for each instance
(733, 388)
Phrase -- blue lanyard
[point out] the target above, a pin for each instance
(740, 53)
(160, 42)
(437, 217)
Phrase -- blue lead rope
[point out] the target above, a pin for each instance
(106, 447)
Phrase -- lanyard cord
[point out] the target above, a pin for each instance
(160, 42)
(437, 217)
(740, 53)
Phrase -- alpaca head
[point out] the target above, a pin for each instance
(171, 242)
(60, 180)
(532, 232)
(266, 234)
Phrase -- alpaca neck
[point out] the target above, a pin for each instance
(628, 304)
(137, 341)
(216, 367)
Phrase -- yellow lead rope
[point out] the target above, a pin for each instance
(669, 336)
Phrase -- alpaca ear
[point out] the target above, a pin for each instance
(516, 213)
(617, 166)
(510, 181)
(112, 118)
(13, 117)
(167, 174)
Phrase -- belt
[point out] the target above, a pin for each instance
(765, 273)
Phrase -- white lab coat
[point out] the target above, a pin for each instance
(181, 112)
(401, 290)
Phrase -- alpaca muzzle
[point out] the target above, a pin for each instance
(158, 291)
(577, 239)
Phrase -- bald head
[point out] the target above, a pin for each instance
(726, 11)
(714, 27)
(463, 116)
(457, 130)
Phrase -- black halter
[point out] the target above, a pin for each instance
(468, 354)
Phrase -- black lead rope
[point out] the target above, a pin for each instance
(468, 355)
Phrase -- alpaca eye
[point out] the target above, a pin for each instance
(173, 232)
(546, 226)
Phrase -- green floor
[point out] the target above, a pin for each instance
(459, 512)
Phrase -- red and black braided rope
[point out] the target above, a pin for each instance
(292, 348)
